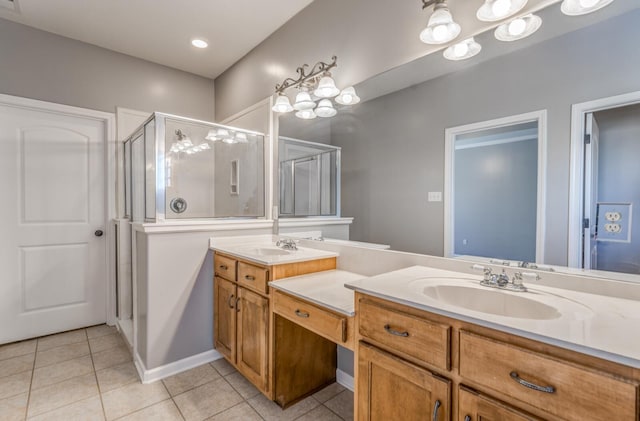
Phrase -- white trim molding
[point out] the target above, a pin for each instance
(450, 134)
(149, 376)
(345, 379)
(576, 183)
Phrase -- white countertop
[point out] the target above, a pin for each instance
(325, 289)
(262, 250)
(602, 326)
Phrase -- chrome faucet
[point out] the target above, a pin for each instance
(502, 281)
(287, 244)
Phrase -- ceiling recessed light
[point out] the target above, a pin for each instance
(199, 43)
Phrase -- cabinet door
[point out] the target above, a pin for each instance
(390, 388)
(475, 407)
(224, 318)
(253, 318)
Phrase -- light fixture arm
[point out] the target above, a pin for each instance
(427, 3)
(317, 69)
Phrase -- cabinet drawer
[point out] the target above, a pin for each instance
(414, 336)
(316, 319)
(253, 277)
(224, 267)
(559, 388)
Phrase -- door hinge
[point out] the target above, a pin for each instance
(585, 223)
(587, 139)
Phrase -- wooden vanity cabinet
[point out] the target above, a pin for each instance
(473, 406)
(242, 327)
(493, 375)
(390, 388)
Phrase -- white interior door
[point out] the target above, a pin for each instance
(590, 243)
(52, 179)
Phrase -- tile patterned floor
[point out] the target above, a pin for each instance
(88, 374)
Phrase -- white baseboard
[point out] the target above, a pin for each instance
(344, 379)
(159, 373)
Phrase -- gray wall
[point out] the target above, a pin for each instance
(495, 200)
(40, 65)
(393, 146)
(619, 181)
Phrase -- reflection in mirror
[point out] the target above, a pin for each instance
(492, 188)
(393, 141)
(309, 178)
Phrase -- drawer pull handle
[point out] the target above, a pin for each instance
(249, 278)
(229, 301)
(523, 382)
(303, 314)
(467, 418)
(224, 267)
(396, 332)
(436, 409)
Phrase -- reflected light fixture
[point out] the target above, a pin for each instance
(440, 28)
(316, 88)
(348, 96)
(199, 43)
(518, 28)
(582, 7)
(462, 50)
(493, 10)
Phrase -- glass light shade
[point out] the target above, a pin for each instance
(493, 10)
(325, 109)
(582, 7)
(212, 135)
(462, 50)
(282, 104)
(303, 101)
(348, 96)
(223, 134)
(518, 28)
(441, 28)
(306, 114)
(326, 87)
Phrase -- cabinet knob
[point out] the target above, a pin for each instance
(98, 233)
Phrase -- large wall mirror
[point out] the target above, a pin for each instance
(393, 143)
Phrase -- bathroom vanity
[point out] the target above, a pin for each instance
(417, 357)
(249, 331)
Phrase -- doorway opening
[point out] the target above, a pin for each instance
(605, 188)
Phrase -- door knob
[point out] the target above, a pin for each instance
(98, 233)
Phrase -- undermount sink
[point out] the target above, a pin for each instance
(490, 301)
(266, 251)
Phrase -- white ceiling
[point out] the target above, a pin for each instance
(161, 30)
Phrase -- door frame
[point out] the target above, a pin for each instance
(576, 180)
(449, 166)
(109, 121)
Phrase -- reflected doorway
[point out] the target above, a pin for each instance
(494, 189)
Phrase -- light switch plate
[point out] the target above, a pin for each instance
(435, 196)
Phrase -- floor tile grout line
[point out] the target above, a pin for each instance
(332, 411)
(95, 374)
(33, 370)
(172, 400)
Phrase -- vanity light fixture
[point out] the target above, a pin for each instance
(225, 136)
(316, 88)
(582, 7)
(348, 96)
(440, 28)
(462, 50)
(493, 10)
(518, 28)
